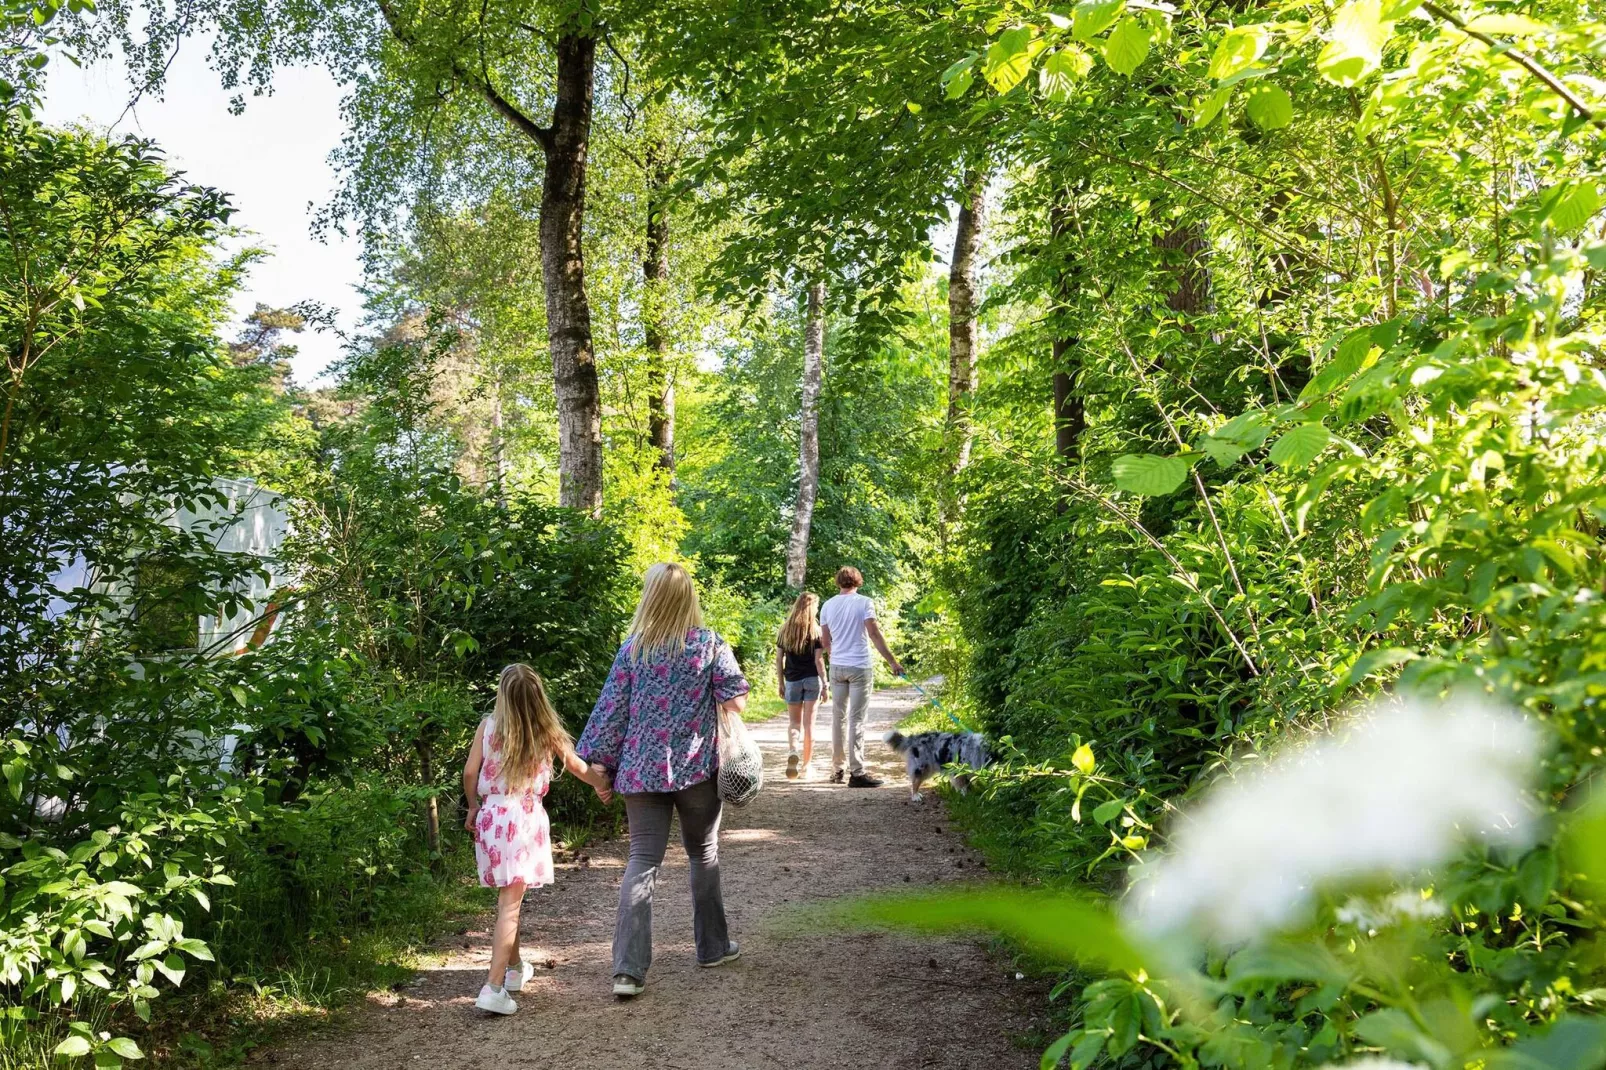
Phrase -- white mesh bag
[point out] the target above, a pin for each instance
(741, 763)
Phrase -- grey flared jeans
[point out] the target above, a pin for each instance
(649, 814)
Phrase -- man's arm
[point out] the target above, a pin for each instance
(825, 637)
(873, 630)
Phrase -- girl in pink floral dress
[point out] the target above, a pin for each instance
(508, 770)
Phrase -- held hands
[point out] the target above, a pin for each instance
(601, 783)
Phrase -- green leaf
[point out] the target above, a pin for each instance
(73, 1047)
(172, 968)
(1009, 59)
(1393, 1029)
(1093, 17)
(125, 1047)
(1083, 759)
(959, 68)
(1573, 1043)
(1149, 475)
(1347, 359)
(1107, 811)
(1572, 205)
(1300, 445)
(1206, 108)
(1061, 71)
(1536, 878)
(1355, 46)
(960, 85)
(1270, 107)
(1056, 1051)
(1584, 841)
(1223, 451)
(1376, 660)
(1279, 963)
(1127, 47)
(195, 948)
(1063, 927)
(1238, 49)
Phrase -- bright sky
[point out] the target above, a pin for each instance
(272, 160)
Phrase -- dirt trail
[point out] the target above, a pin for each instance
(797, 998)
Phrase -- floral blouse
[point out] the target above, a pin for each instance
(655, 724)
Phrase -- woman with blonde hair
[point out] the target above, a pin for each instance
(800, 677)
(655, 729)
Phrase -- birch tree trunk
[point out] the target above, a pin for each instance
(568, 312)
(808, 454)
(655, 277)
(962, 332)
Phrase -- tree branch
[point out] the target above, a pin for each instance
(1523, 60)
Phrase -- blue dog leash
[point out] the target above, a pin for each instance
(928, 697)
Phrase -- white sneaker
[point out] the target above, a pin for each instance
(495, 1001)
(517, 975)
(732, 953)
(626, 987)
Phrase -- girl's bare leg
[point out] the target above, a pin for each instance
(505, 937)
(808, 730)
(794, 714)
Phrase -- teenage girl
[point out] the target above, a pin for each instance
(505, 779)
(800, 674)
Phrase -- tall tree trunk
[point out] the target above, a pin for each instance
(962, 333)
(1185, 248)
(655, 277)
(1070, 409)
(568, 313)
(808, 453)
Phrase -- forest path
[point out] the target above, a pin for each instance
(799, 997)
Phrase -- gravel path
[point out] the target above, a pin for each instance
(798, 997)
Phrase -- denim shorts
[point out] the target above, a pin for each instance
(804, 690)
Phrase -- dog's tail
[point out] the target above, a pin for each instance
(896, 740)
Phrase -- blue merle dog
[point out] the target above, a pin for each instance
(927, 752)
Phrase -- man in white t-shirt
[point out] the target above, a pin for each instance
(847, 628)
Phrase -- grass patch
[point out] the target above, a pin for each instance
(761, 707)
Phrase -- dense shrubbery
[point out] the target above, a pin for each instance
(247, 819)
(1296, 471)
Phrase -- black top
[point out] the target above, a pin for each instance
(801, 666)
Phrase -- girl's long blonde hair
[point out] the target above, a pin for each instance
(668, 610)
(526, 726)
(802, 625)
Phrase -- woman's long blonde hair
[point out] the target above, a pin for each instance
(526, 726)
(802, 625)
(668, 610)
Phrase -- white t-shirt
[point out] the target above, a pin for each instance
(845, 615)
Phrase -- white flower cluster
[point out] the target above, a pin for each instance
(1398, 788)
(1371, 914)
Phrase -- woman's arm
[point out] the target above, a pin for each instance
(730, 686)
(471, 779)
(604, 735)
(819, 667)
(780, 671)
